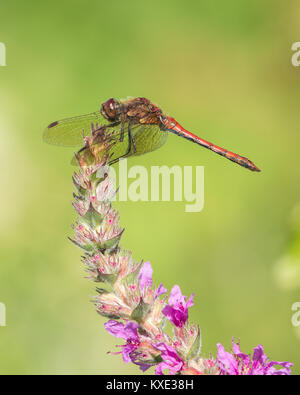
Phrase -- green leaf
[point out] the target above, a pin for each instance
(79, 189)
(106, 278)
(92, 217)
(140, 312)
(111, 244)
(89, 248)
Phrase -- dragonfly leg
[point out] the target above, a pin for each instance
(81, 149)
(122, 132)
(130, 141)
(111, 125)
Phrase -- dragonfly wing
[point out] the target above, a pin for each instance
(68, 132)
(146, 138)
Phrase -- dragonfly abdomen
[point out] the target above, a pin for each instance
(174, 127)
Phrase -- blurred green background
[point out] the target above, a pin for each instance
(222, 69)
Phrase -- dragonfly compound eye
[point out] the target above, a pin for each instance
(111, 110)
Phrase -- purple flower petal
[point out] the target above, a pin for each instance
(190, 301)
(259, 355)
(176, 298)
(128, 332)
(286, 371)
(171, 361)
(239, 363)
(126, 351)
(175, 316)
(124, 331)
(226, 361)
(143, 366)
(177, 309)
(160, 291)
(237, 351)
(145, 275)
(160, 368)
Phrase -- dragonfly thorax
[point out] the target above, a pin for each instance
(111, 110)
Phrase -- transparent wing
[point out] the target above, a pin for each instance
(146, 138)
(68, 132)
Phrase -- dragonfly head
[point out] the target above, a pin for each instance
(111, 110)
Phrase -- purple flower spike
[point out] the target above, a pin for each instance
(145, 276)
(239, 363)
(171, 361)
(177, 309)
(136, 304)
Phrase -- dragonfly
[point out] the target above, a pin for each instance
(138, 125)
